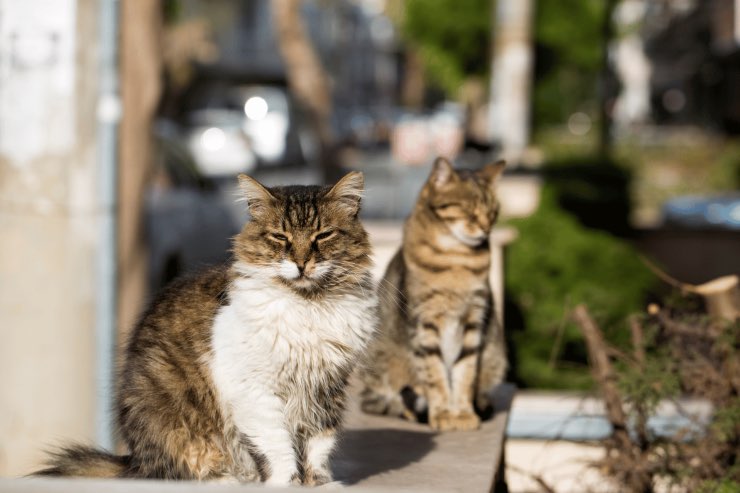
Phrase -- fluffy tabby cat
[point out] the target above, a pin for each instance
(239, 373)
(438, 336)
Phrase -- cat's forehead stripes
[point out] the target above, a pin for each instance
(476, 183)
(470, 187)
(300, 206)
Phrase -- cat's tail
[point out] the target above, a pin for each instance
(84, 461)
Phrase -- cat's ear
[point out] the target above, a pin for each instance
(347, 193)
(492, 172)
(257, 196)
(442, 173)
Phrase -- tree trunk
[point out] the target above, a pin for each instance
(141, 66)
(414, 80)
(307, 78)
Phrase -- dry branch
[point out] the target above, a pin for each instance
(686, 352)
(638, 350)
(603, 372)
(637, 476)
(638, 340)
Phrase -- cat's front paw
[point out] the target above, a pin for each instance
(386, 405)
(445, 420)
(314, 477)
(441, 420)
(466, 421)
(277, 481)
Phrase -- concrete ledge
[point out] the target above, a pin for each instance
(390, 454)
(374, 454)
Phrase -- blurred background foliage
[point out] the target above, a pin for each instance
(556, 264)
(580, 246)
(453, 39)
(568, 51)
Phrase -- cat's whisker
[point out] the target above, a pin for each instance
(382, 293)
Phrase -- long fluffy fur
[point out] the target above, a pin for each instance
(239, 373)
(81, 460)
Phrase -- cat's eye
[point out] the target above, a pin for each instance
(449, 210)
(278, 237)
(442, 207)
(324, 235)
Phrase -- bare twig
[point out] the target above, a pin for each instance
(638, 340)
(603, 372)
(637, 477)
(638, 349)
(665, 277)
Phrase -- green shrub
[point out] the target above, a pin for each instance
(685, 353)
(555, 264)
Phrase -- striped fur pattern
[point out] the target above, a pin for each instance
(240, 373)
(440, 350)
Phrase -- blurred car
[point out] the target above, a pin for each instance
(267, 120)
(218, 143)
(233, 126)
(722, 212)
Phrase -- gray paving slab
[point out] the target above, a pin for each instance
(392, 454)
(374, 454)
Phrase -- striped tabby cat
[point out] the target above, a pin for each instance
(239, 373)
(440, 345)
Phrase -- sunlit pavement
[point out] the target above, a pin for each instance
(564, 466)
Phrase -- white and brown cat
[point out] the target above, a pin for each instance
(240, 373)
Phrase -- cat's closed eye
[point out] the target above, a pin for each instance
(324, 235)
(451, 210)
(278, 237)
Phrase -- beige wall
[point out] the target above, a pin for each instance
(47, 227)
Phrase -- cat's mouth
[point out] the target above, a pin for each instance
(303, 281)
(310, 278)
(470, 240)
(473, 241)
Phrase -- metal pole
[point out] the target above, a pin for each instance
(108, 114)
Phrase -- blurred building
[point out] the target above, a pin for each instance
(694, 51)
(50, 218)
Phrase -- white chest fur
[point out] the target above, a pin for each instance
(272, 349)
(268, 330)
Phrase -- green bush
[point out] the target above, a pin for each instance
(555, 264)
(568, 42)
